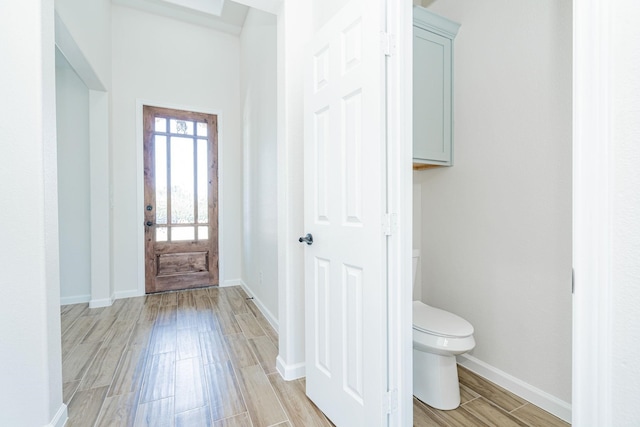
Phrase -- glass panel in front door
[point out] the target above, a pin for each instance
(181, 180)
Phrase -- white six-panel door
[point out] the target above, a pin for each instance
(345, 187)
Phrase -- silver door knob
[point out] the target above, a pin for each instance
(308, 238)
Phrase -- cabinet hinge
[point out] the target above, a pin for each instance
(390, 401)
(390, 225)
(388, 44)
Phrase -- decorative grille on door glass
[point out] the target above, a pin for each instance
(181, 180)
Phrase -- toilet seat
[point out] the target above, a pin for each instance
(434, 321)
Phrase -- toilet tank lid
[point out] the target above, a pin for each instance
(439, 322)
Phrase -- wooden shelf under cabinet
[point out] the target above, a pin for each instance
(422, 166)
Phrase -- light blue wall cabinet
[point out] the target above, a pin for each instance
(432, 88)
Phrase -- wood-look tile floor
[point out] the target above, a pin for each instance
(484, 404)
(207, 357)
(198, 358)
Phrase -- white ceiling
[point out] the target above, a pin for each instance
(222, 15)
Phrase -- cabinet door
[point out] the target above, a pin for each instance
(431, 98)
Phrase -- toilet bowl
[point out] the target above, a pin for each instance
(438, 336)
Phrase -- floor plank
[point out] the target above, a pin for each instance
(459, 417)
(69, 314)
(77, 363)
(299, 409)
(491, 414)
(159, 379)
(200, 417)
(190, 390)
(213, 347)
(249, 325)
(99, 330)
(265, 352)
(68, 390)
(501, 397)
(262, 403)
(188, 343)
(535, 416)
(239, 351)
(74, 335)
(423, 417)
(85, 406)
(163, 339)
(128, 376)
(237, 421)
(225, 397)
(118, 411)
(157, 413)
(102, 368)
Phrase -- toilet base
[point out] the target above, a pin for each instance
(435, 380)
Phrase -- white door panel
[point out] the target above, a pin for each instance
(345, 268)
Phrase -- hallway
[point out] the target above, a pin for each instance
(207, 357)
(204, 357)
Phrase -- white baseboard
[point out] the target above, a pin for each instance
(542, 399)
(231, 282)
(60, 418)
(129, 294)
(78, 299)
(290, 372)
(104, 302)
(265, 312)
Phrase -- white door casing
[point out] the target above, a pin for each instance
(345, 204)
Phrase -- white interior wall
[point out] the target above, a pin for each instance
(172, 63)
(30, 372)
(258, 62)
(72, 121)
(496, 227)
(89, 23)
(294, 29)
(625, 321)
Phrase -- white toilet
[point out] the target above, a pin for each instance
(437, 337)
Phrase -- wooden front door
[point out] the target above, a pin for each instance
(181, 199)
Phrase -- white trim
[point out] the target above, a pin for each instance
(270, 6)
(76, 299)
(230, 282)
(129, 294)
(74, 56)
(400, 194)
(290, 372)
(140, 183)
(435, 23)
(294, 27)
(104, 302)
(592, 204)
(60, 418)
(263, 309)
(540, 398)
(100, 194)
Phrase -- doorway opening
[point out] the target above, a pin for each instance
(180, 199)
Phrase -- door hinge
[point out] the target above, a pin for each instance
(391, 401)
(388, 44)
(390, 225)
